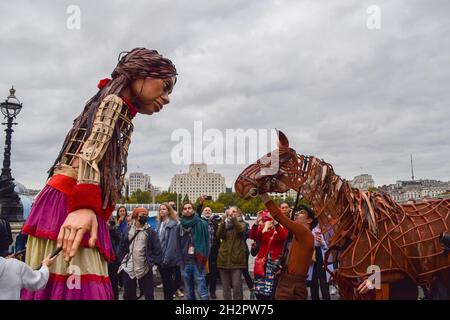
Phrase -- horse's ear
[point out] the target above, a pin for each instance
(282, 140)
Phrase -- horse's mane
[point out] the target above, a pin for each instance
(328, 192)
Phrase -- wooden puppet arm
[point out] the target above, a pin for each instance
(95, 146)
(87, 193)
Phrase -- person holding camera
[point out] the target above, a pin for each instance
(121, 220)
(232, 255)
(271, 237)
(291, 283)
(317, 274)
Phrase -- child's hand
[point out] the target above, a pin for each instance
(47, 261)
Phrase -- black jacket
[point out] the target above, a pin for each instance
(114, 235)
(5, 235)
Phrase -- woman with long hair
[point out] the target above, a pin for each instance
(121, 220)
(167, 228)
(85, 181)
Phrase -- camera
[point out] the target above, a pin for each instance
(112, 222)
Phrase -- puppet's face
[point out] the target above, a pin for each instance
(151, 94)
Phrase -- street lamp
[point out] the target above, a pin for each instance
(10, 204)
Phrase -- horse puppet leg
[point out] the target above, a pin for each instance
(383, 292)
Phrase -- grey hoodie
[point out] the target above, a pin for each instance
(15, 275)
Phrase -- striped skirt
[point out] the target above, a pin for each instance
(85, 277)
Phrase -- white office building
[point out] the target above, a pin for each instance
(198, 181)
(363, 182)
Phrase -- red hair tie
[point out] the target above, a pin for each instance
(102, 83)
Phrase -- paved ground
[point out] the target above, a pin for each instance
(159, 292)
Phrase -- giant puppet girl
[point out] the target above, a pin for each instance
(86, 179)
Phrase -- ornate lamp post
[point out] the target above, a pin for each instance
(11, 207)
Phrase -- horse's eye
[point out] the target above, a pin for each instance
(253, 192)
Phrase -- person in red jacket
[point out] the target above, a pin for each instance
(271, 237)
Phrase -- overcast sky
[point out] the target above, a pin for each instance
(362, 99)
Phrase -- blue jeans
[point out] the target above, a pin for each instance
(194, 275)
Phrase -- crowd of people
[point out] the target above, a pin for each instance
(200, 247)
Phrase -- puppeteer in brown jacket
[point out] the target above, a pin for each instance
(292, 281)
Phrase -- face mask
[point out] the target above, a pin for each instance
(142, 220)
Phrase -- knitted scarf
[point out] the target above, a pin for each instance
(200, 236)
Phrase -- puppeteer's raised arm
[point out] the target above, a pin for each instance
(296, 228)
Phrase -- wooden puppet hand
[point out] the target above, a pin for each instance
(73, 229)
(365, 286)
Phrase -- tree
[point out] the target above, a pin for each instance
(166, 197)
(252, 205)
(290, 201)
(216, 207)
(140, 196)
(229, 199)
(248, 207)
